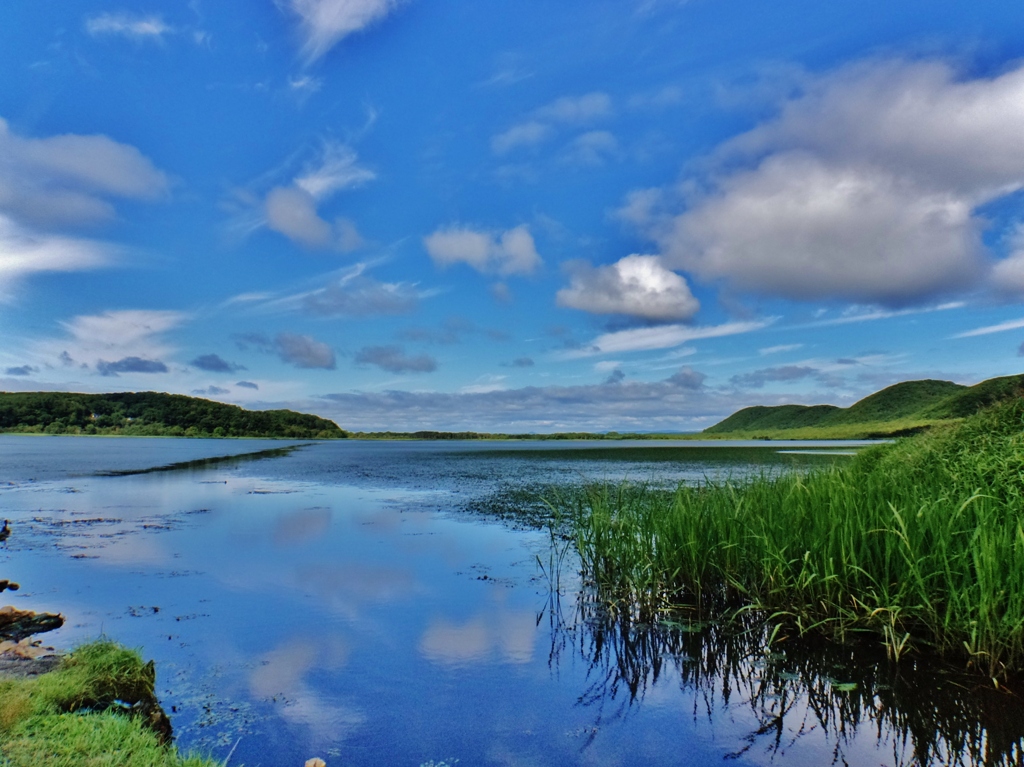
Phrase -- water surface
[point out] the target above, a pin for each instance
(337, 600)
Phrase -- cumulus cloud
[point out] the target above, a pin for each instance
(522, 362)
(130, 365)
(394, 360)
(213, 363)
(67, 179)
(324, 23)
(510, 252)
(304, 351)
(132, 26)
(291, 210)
(247, 385)
(636, 286)
(865, 186)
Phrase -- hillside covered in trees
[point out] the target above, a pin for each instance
(152, 414)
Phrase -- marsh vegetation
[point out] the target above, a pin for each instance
(917, 544)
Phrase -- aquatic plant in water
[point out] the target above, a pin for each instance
(920, 543)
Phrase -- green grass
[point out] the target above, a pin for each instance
(919, 543)
(80, 715)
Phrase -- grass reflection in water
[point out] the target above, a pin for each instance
(919, 712)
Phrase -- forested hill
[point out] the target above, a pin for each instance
(153, 414)
(899, 409)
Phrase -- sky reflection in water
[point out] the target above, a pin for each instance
(331, 602)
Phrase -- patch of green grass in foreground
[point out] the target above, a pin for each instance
(919, 542)
(76, 715)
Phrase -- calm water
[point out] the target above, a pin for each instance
(338, 600)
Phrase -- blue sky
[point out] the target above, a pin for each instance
(526, 216)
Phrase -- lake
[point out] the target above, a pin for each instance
(377, 603)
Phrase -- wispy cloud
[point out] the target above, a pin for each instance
(24, 252)
(132, 26)
(539, 126)
(661, 337)
(114, 342)
(1000, 328)
(324, 23)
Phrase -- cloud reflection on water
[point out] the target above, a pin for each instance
(508, 634)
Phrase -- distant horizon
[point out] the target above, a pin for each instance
(634, 216)
(398, 430)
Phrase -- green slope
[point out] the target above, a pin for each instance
(902, 400)
(902, 408)
(761, 418)
(152, 414)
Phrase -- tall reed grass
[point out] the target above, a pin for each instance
(920, 542)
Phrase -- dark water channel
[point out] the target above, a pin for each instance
(364, 602)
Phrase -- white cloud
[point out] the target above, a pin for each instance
(568, 110)
(24, 252)
(989, 329)
(292, 210)
(66, 179)
(803, 229)
(577, 109)
(661, 337)
(866, 187)
(510, 252)
(128, 341)
(324, 23)
(779, 349)
(336, 170)
(524, 134)
(637, 286)
(128, 25)
(592, 148)
(1008, 274)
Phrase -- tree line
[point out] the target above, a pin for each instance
(153, 414)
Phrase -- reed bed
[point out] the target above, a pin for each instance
(919, 542)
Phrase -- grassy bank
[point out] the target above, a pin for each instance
(920, 543)
(95, 710)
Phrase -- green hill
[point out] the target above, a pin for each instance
(903, 408)
(152, 414)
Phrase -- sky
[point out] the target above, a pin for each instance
(639, 215)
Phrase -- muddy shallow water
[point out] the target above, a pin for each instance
(338, 600)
